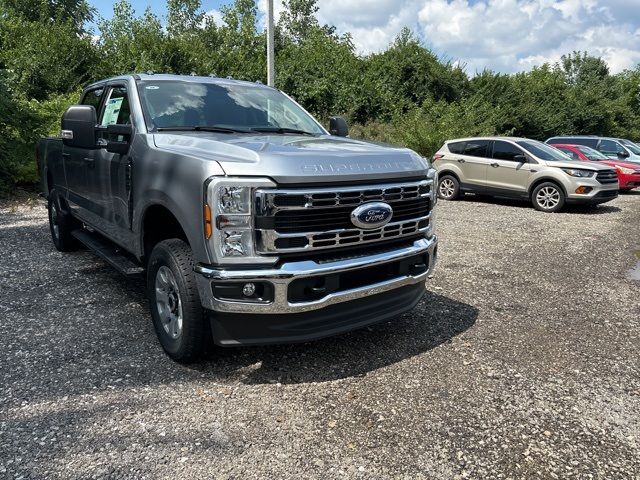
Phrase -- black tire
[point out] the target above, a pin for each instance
(448, 187)
(182, 314)
(61, 224)
(548, 197)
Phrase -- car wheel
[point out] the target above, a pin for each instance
(448, 188)
(548, 197)
(61, 224)
(178, 317)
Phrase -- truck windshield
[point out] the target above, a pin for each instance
(543, 151)
(221, 107)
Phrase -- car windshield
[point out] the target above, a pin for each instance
(222, 107)
(592, 154)
(543, 151)
(631, 146)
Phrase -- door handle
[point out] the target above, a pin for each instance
(90, 161)
(495, 165)
(461, 160)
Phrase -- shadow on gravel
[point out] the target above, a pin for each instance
(509, 202)
(434, 321)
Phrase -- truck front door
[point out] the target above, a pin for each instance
(110, 182)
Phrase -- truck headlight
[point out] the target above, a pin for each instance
(577, 172)
(233, 238)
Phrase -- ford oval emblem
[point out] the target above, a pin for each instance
(371, 215)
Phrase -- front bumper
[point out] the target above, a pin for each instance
(599, 193)
(282, 320)
(628, 181)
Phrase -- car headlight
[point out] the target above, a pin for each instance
(576, 172)
(625, 170)
(432, 174)
(431, 229)
(230, 232)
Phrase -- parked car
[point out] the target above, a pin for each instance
(615, 148)
(252, 223)
(628, 172)
(521, 168)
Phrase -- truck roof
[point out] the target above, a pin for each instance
(183, 78)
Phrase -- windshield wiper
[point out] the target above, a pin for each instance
(281, 130)
(204, 128)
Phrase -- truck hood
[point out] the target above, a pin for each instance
(295, 159)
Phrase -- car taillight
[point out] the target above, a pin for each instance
(437, 157)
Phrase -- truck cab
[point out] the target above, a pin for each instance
(252, 223)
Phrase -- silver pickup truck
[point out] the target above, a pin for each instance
(252, 223)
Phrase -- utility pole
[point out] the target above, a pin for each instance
(271, 69)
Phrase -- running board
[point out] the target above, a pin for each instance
(109, 252)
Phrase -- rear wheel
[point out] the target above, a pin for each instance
(61, 224)
(548, 197)
(448, 187)
(178, 317)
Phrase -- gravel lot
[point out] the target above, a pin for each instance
(520, 362)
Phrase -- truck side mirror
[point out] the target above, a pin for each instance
(623, 154)
(79, 126)
(338, 126)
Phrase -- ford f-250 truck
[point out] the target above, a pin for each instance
(252, 223)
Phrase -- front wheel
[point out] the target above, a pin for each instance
(548, 197)
(448, 187)
(178, 316)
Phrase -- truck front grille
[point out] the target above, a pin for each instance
(607, 176)
(299, 220)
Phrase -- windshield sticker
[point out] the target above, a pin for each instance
(111, 111)
(152, 87)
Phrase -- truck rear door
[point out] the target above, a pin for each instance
(79, 165)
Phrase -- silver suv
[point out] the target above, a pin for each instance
(521, 168)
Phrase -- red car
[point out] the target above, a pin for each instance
(628, 172)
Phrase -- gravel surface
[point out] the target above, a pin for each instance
(520, 362)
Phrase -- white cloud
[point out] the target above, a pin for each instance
(216, 16)
(504, 35)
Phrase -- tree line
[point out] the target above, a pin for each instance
(406, 95)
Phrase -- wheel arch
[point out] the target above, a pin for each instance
(451, 173)
(541, 180)
(159, 222)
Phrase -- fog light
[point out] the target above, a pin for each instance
(583, 190)
(248, 289)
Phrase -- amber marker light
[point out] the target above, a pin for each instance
(208, 227)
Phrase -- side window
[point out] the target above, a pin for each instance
(456, 147)
(588, 142)
(505, 150)
(93, 97)
(609, 147)
(116, 108)
(477, 148)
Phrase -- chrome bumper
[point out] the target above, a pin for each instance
(281, 277)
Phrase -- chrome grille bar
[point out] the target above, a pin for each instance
(269, 202)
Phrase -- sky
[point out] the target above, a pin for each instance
(503, 35)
